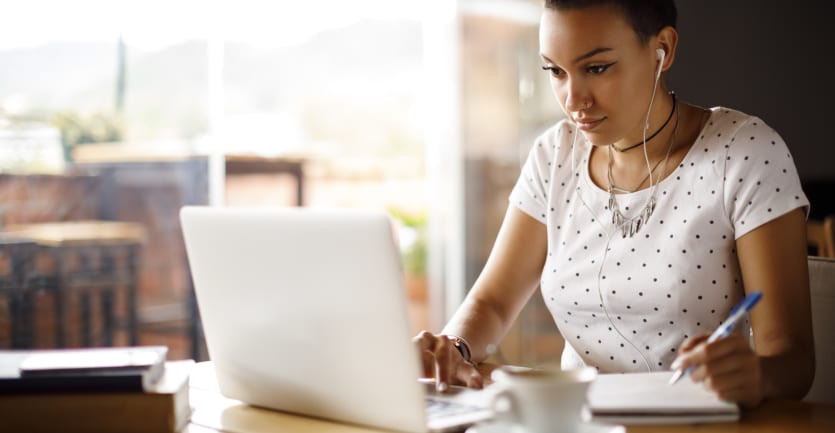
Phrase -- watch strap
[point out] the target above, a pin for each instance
(462, 346)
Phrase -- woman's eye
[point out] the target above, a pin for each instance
(555, 71)
(599, 69)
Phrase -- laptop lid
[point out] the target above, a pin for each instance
(304, 311)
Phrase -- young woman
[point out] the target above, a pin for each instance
(644, 220)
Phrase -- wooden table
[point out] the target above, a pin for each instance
(214, 413)
(96, 246)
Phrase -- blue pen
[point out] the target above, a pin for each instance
(737, 313)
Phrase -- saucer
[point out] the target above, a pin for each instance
(507, 427)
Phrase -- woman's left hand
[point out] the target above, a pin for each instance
(727, 366)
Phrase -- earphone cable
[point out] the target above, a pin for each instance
(608, 234)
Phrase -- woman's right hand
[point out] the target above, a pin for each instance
(443, 362)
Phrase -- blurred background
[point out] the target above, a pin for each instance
(114, 114)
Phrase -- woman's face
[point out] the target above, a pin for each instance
(600, 72)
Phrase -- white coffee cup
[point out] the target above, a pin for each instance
(542, 400)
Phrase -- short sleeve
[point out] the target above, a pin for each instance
(530, 193)
(761, 180)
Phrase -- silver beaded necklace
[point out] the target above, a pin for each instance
(631, 225)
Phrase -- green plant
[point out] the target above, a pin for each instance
(95, 128)
(413, 254)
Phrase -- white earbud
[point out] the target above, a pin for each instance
(661, 55)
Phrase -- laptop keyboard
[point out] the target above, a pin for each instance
(436, 408)
(455, 409)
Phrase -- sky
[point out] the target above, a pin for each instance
(154, 24)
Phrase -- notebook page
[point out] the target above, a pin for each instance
(650, 393)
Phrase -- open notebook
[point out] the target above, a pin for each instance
(646, 398)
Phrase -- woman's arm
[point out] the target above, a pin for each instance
(510, 276)
(508, 280)
(773, 261)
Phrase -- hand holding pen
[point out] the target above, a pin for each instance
(736, 314)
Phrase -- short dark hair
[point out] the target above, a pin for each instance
(647, 17)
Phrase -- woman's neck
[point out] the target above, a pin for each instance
(629, 168)
(662, 121)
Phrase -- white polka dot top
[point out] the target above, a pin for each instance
(625, 304)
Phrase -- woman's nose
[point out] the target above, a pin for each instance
(577, 97)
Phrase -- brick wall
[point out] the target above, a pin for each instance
(149, 193)
(42, 198)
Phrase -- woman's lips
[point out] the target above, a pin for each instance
(589, 124)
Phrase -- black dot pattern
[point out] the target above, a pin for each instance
(684, 277)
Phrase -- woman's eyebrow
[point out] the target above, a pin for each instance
(592, 53)
(583, 56)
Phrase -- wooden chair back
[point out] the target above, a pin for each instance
(822, 286)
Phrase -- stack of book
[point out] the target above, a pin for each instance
(121, 389)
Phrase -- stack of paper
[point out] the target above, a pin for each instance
(647, 398)
(87, 369)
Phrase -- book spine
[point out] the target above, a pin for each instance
(95, 413)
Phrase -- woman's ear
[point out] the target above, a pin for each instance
(667, 39)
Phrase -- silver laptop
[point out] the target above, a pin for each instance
(304, 311)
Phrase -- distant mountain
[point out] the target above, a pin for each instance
(370, 68)
(376, 51)
(50, 75)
